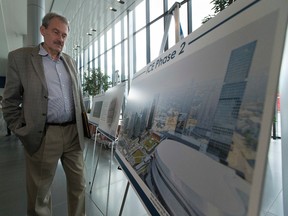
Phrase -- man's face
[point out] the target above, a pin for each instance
(55, 36)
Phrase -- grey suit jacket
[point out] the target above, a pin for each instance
(26, 96)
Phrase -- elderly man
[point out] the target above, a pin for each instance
(42, 106)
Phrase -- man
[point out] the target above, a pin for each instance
(42, 106)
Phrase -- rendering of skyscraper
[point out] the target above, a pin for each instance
(230, 100)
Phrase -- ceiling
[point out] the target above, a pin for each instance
(82, 15)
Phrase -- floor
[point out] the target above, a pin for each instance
(272, 202)
(12, 183)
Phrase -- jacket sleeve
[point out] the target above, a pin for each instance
(13, 96)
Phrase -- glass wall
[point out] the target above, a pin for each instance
(128, 45)
(96, 54)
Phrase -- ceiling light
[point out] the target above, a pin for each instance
(121, 2)
(113, 9)
(76, 46)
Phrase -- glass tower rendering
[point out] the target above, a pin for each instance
(230, 100)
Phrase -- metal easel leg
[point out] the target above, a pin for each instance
(92, 161)
(124, 198)
(109, 180)
(92, 183)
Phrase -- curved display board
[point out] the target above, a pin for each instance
(111, 108)
(106, 110)
(96, 110)
(86, 101)
(197, 123)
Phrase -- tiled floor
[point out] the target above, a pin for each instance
(12, 184)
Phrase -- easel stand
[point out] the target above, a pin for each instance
(109, 178)
(124, 198)
(94, 146)
(173, 11)
(96, 166)
(95, 136)
(95, 170)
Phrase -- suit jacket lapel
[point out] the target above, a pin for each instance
(71, 70)
(38, 65)
(73, 73)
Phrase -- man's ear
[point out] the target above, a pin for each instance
(42, 30)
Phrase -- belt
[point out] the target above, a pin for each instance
(63, 124)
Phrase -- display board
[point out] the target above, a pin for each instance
(111, 108)
(86, 101)
(282, 107)
(95, 114)
(197, 124)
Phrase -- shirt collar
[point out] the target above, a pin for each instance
(43, 53)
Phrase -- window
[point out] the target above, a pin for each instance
(118, 59)
(96, 49)
(170, 3)
(140, 15)
(182, 20)
(117, 32)
(109, 39)
(98, 54)
(102, 45)
(81, 60)
(140, 39)
(157, 28)
(96, 63)
(85, 65)
(91, 64)
(156, 9)
(90, 53)
(156, 36)
(200, 9)
(102, 63)
(109, 65)
(125, 28)
(124, 74)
